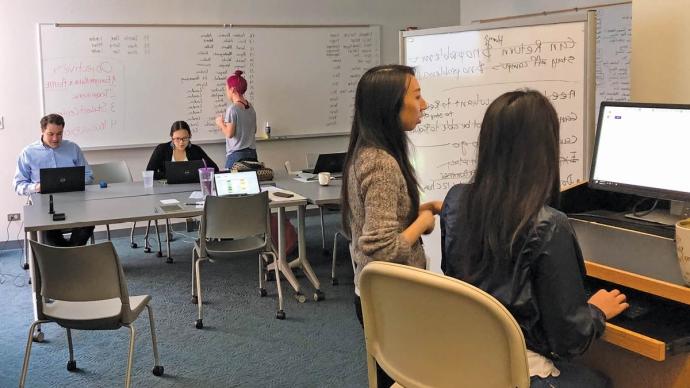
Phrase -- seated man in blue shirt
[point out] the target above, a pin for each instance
(50, 152)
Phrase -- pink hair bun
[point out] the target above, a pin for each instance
(237, 82)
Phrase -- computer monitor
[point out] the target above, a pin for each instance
(643, 149)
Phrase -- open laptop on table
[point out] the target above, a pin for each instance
(332, 163)
(62, 179)
(183, 172)
(237, 183)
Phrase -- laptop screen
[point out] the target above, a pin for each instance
(237, 183)
(62, 179)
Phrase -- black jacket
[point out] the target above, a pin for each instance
(163, 153)
(541, 285)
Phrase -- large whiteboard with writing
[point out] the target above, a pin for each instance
(123, 86)
(462, 70)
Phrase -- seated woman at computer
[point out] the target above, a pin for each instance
(380, 195)
(178, 149)
(501, 234)
(51, 151)
(239, 124)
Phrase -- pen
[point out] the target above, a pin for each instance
(192, 203)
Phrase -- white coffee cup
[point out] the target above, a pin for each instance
(324, 178)
(683, 248)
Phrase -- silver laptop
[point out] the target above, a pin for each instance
(236, 183)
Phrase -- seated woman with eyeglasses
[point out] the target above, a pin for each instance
(178, 149)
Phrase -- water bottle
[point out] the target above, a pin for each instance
(267, 130)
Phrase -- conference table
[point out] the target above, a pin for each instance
(130, 202)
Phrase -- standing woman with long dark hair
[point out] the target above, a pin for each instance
(501, 234)
(380, 195)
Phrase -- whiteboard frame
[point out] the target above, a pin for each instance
(216, 25)
(589, 20)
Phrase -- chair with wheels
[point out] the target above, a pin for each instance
(334, 279)
(84, 288)
(118, 172)
(221, 235)
(429, 330)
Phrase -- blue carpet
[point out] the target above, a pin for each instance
(320, 344)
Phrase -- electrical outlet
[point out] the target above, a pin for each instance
(14, 217)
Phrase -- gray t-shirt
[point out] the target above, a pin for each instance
(245, 128)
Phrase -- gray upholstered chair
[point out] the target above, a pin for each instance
(429, 330)
(84, 288)
(233, 225)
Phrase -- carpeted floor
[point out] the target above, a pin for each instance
(320, 344)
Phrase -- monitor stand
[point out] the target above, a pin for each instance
(669, 217)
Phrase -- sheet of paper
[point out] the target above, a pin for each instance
(196, 195)
(169, 201)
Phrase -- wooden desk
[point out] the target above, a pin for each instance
(646, 263)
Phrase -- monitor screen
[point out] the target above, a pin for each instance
(237, 183)
(642, 149)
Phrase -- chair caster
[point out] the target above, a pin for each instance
(326, 252)
(262, 292)
(72, 365)
(334, 281)
(195, 299)
(318, 296)
(158, 370)
(300, 297)
(159, 254)
(280, 315)
(199, 324)
(25, 266)
(147, 250)
(169, 260)
(133, 245)
(38, 337)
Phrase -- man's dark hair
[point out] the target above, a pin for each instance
(52, 118)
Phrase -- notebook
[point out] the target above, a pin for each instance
(237, 183)
(332, 163)
(62, 179)
(183, 172)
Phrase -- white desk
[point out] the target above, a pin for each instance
(128, 202)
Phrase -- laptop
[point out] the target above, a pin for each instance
(183, 172)
(62, 179)
(332, 163)
(237, 183)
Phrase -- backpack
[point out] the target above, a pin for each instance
(290, 234)
(263, 173)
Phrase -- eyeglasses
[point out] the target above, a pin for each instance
(181, 139)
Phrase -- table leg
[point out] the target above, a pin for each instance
(282, 260)
(302, 249)
(38, 334)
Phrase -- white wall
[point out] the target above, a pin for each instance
(474, 10)
(19, 68)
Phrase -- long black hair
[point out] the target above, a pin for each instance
(517, 173)
(378, 100)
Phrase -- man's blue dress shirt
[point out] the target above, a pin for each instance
(36, 156)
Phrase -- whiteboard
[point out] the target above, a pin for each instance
(462, 70)
(614, 40)
(123, 86)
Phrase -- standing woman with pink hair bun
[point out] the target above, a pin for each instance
(239, 123)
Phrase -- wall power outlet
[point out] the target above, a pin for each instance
(14, 217)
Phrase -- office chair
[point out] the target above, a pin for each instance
(334, 279)
(84, 288)
(220, 235)
(311, 160)
(429, 330)
(118, 172)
